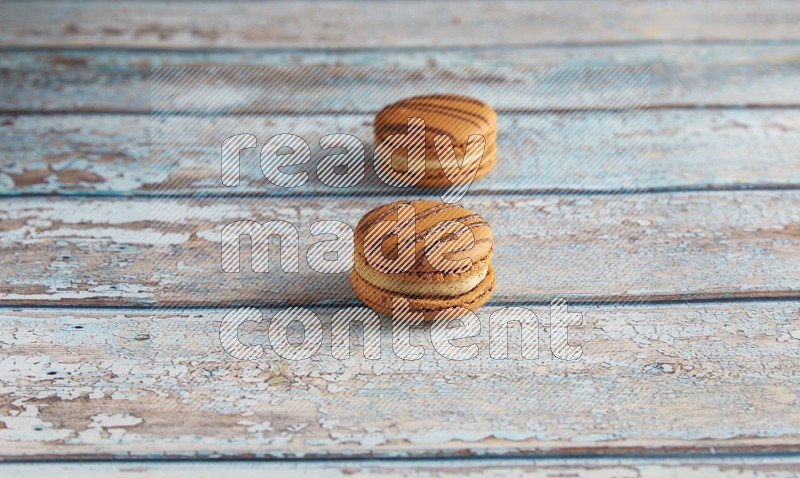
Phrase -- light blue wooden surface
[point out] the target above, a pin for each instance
(607, 247)
(683, 149)
(705, 362)
(682, 75)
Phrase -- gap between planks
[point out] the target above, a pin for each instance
(318, 50)
(626, 302)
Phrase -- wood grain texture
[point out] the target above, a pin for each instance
(754, 467)
(705, 377)
(92, 80)
(587, 247)
(700, 378)
(682, 149)
(392, 24)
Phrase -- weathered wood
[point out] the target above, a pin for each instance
(391, 24)
(584, 247)
(680, 75)
(341, 89)
(755, 467)
(576, 151)
(705, 378)
(711, 378)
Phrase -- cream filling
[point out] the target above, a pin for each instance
(395, 283)
(399, 160)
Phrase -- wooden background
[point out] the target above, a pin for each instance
(103, 359)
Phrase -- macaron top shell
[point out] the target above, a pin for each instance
(448, 240)
(452, 115)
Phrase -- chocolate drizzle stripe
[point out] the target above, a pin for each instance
(439, 106)
(383, 132)
(400, 226)
(438, 225)
(457, 113)
(448, 237)
(477, 241)
(396, 207)
(429, 213)
(381, 216)
(453, 97)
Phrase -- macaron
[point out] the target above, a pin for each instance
(453, 116)
(436, 256)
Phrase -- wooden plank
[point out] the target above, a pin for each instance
(680, 75)
(355, 25)
(671, 246)
(756, 467)
(708, 378)
(339, 89)
(683, 149)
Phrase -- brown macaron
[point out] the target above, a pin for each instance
(453, 116)
(436, 256)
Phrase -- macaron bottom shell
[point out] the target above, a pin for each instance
(380, 299)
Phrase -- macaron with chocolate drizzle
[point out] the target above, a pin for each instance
(436, 256)
(469, 123)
